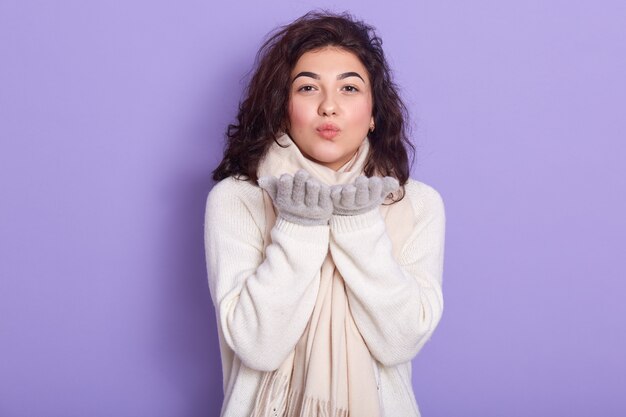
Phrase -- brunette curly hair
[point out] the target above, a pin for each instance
(263, 114)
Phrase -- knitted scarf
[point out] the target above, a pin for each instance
(330, 372)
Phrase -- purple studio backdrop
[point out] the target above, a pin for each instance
(111, 120)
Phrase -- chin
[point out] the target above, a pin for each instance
(329, 160)
(325, 157)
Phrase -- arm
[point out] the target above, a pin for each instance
(396, 304)
(263, 305)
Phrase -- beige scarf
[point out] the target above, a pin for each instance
(331, 372)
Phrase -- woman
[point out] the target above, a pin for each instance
(325, 259)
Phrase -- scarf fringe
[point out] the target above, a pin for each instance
(272, 398)
(275, 399)
(312, 407)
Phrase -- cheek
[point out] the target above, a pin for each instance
(362, 112)
(298, 113)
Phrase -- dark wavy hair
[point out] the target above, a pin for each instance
(263, 114)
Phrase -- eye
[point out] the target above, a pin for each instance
(350, 89)
(306, 88)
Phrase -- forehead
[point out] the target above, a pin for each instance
(330, 61)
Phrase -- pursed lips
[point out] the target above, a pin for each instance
(328, 130)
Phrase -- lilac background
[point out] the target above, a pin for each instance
(111, 120)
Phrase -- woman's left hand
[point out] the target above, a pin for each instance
(364, 195)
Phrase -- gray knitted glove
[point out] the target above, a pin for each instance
(364, 195)
(300, 198)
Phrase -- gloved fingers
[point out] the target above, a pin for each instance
(390, 184)
(348, 195)
(335, 194)
(362, 195)
(312, 193)
(375, 185)
(269, 184)
(285, 187)
(299, 186)
(325, 200)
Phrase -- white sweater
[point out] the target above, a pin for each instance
(263, 301)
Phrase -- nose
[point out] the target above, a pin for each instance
(328, 106)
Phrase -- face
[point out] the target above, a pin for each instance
(330, 105)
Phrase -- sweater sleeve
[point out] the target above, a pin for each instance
(396, 304)
(263, 302)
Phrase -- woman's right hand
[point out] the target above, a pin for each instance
(300, 198)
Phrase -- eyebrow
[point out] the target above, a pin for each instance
(317, 77)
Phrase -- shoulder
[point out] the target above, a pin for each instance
(233, 197)
(231, 187)
(425, 243)
(425, 199)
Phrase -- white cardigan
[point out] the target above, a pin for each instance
(263, 301)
